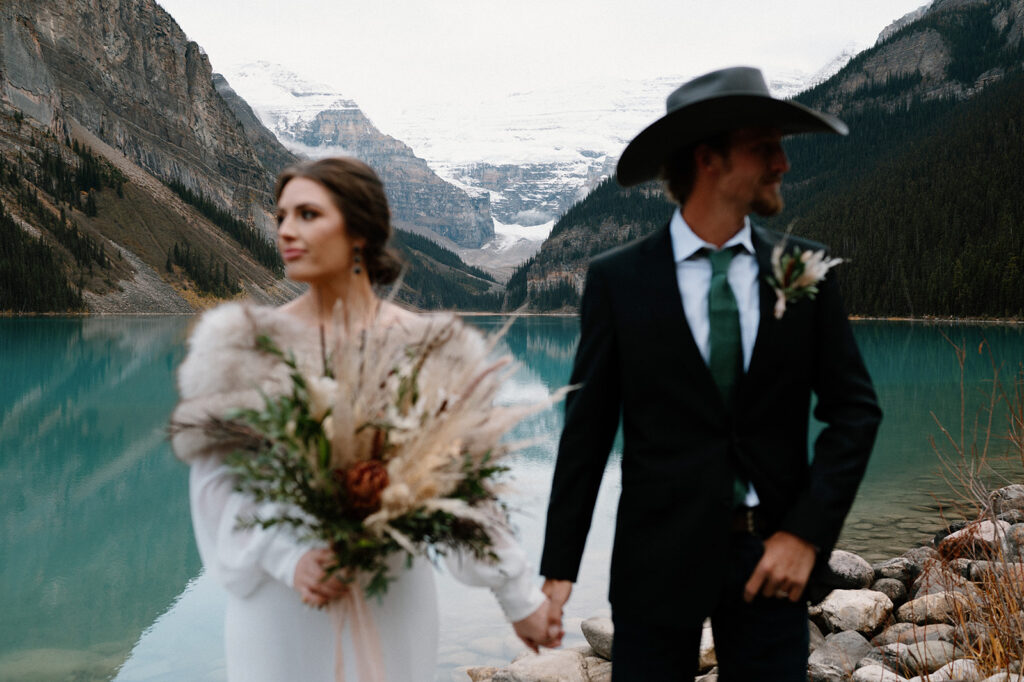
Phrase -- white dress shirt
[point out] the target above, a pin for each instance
(693, 275)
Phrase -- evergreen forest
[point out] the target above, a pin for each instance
(47, 188)
(923, 198)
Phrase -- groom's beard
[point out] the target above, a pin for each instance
(768, 201)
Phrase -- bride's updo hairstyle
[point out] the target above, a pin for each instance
(359, 195)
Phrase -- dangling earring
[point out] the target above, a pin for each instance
(357, 258)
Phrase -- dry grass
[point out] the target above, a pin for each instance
(978, 457)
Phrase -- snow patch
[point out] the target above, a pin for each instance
(536, 233)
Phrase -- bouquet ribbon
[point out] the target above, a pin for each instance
(353, 610)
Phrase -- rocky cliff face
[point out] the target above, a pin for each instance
(102, 103)
(313, 121)
(908, 18)
(124, 70)
(535, 193)
(950, 48)
(419, 198)
(269, 151)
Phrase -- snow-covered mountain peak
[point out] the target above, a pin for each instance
(275, 92)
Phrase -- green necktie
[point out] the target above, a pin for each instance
(726, 355)
(726, 358)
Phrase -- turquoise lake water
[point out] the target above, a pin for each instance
(99, 575)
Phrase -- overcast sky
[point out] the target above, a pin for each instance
(377, 51)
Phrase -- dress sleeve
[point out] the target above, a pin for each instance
(511, 578)
(222, 371)
(240, 559)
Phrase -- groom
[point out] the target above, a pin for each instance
(720, 513)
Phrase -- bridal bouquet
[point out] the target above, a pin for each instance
(394, 448)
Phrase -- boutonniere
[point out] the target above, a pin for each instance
(796, 274)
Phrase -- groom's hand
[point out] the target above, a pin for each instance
(534, 630)
(783, 569)
(558, 592)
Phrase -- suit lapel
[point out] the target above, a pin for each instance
(768, 326)
(668, 305)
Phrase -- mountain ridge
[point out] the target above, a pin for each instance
(904, 99)
(314, 122)
(134, 180)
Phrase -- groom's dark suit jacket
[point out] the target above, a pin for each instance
(637, 359)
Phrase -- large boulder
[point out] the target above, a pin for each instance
(979, 540)
(815, 639)
(901, 568)
(844, 571)
(971, 634)
(889, 656)
(1008, 498)
(821, 672)
(928, 656)
(599, 633)
(841, 651)
(1002, 570)
(1015, 539)
(933, 608)
(939, 578)
(908, 633)
(962, 669)
(962, 567)
(598, 669)
(1005, 676)
(895, 590)
(864, 611)
(558, 665)
(921, 556)
(876, 673)
(1014, 516)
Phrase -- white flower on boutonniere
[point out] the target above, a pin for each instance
(796, 274)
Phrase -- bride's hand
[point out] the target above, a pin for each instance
(311, 581)
(537, 630)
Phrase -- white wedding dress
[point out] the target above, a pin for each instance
(270, 635)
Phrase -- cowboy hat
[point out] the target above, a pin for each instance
(714, 103)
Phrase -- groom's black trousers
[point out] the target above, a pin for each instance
(765, 640)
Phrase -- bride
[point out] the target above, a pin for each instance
(333, 226)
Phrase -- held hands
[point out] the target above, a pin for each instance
(783, 570)
(311, 581)
(543, 627)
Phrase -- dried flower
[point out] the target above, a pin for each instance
(364, 483)
(321, 395)
(795, 275)
(398, 449)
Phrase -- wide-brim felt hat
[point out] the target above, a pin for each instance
(717, 102)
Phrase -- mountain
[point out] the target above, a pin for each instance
(922, 198)
(133, 179)
(101, 109)
(312, 121)
(530, 155)
(952, 50)
(537, 152)
(908, 18)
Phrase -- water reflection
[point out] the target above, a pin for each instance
(96, 535)
(916, 374)
(99, 562)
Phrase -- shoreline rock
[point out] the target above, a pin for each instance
(905, 619)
